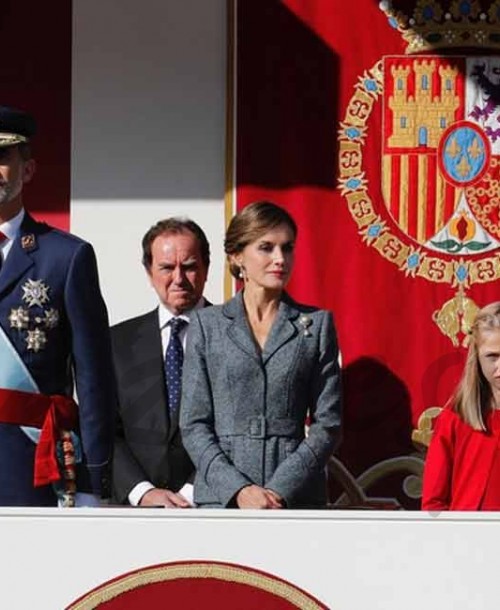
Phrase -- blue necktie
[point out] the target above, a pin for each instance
(174, 357)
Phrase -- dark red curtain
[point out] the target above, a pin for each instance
(298, 63)
(35, 75)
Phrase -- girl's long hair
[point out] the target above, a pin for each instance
(473, 396)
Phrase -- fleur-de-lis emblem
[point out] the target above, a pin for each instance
(305, 322)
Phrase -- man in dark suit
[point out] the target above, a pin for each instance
(151, 467)
(53, 332)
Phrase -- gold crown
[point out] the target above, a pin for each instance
(463, 25)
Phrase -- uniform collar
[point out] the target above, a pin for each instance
(12, 227)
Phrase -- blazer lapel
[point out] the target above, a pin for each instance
(239, 331)
(149, 352)
(19, 259)
(174, 418)
(282, 330)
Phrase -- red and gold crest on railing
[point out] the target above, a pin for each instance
(197, 584)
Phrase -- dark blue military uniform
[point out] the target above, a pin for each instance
(52, 311)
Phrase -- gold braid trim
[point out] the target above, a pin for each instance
(215, 571)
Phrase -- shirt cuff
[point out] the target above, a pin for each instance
(135, 496)
(187, 491)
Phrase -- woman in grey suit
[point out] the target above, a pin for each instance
(255, 368)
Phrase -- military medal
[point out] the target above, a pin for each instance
(51, 318)
(36, 340)
(19, 318)
(35, 292)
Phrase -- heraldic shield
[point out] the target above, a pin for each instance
(437, 213)
(441, 151)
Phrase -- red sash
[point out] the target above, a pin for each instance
(50, 413)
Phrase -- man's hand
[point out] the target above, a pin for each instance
(164, 497)
(253, 496)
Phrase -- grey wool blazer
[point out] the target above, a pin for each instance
(244, 411)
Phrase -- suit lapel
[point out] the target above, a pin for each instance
(174, 418)
(240, 333)
(19, 259)
(282, 330)
(148, 349)
(239, 330)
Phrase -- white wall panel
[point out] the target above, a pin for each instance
(349, 560)
(148, 133)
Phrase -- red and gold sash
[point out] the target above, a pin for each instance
(52, 413)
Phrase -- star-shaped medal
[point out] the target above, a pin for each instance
(51, 318)
(19, 318)
(36, 340)
(36, 292)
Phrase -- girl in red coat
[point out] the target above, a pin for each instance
(462, 469)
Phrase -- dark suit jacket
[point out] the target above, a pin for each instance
(77, 350)
(148, 445)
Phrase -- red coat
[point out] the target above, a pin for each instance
(457, 466)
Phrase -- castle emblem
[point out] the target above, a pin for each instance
(440, 153)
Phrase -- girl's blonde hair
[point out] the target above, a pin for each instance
(473, 396)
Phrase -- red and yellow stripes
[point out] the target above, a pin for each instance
(416, 195)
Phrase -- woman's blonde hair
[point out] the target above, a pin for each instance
(473, 396)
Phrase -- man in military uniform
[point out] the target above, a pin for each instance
(53, 332)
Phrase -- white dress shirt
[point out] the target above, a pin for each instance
(11, 230)
(164, 317)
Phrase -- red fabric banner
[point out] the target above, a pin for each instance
(361, 141)
(35, 76)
